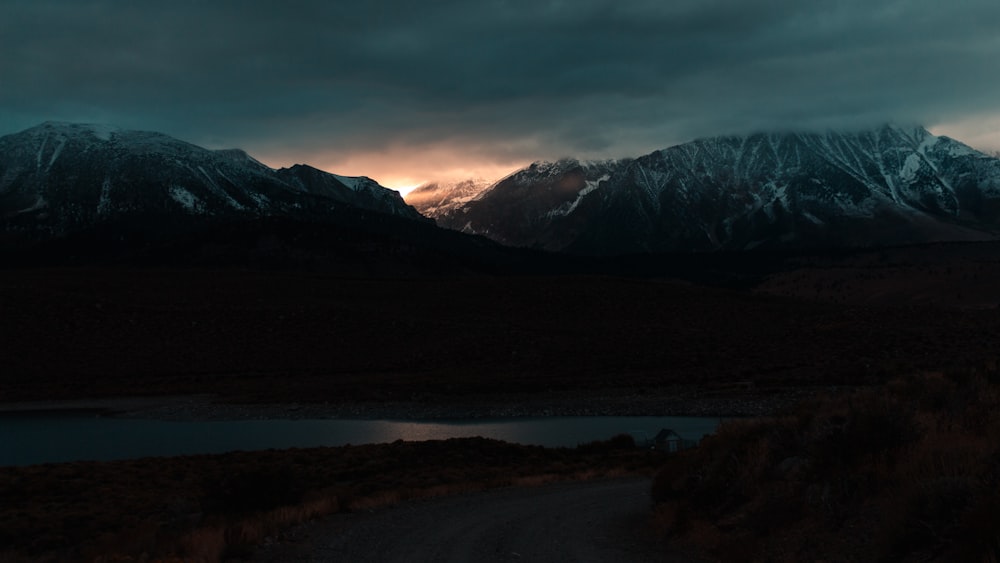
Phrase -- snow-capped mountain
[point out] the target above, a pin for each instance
(890, 185)
(58, 178)
(437, 199)
(358, 191)
(519, 209)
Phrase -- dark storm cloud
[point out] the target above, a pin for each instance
(498, 79)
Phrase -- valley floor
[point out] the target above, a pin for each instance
(232, 344)
(425, 344)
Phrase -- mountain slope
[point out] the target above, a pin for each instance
(61, 178)
(889, 185)
(437, 199)
(520, 209)
(360, 191)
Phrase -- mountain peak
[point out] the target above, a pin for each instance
(435, 199)
(59, 178)
(893, 183)
(239, 156)
(100, 131)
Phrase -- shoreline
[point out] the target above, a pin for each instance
(688, 401)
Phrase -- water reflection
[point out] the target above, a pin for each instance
(28, 440)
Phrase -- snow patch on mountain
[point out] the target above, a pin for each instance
(56, 152)
(219, 191)
(104, 203)
(812, 218)
(568, 208)
(187, 199)
(41, 151)
(262, 201)
(956, 149)
(40, 203)
(102, 132)
(911, 166)
(437, 199)
(352, 182)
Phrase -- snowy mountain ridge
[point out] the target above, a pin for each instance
(58, 178)
(434, 199)
(884, 186)
(888, 185)
(517, 208)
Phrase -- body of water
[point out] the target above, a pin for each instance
(48, 438)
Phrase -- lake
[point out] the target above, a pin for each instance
(27, 439)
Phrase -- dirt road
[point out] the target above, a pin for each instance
(606, 521)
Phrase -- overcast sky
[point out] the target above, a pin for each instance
(408, 91)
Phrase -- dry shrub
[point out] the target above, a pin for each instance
(444, 490)
(860, 429)
(536, 480)
(978, 534)
(203, 544)
(253, 488)
(729, 467)
(374, 500)
(203, 508)
(671, 518)
(911, 468)
(937, 485)
(246, 532)
(10, 556)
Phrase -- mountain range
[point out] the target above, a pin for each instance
(437, 199)
(884, 186)
(61, 178)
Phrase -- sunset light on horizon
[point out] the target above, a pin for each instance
(456, 91)
(405, 169)
(544, 280)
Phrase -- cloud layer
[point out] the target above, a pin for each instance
(416, 89)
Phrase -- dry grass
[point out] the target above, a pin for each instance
(210, 508)
(908, 471)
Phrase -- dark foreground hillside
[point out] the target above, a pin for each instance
(291, 336)
(906, 472)
(218, 507)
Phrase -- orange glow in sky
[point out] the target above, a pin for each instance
(404, 170)
(981, 133)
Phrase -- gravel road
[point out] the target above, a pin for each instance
(606, 521)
